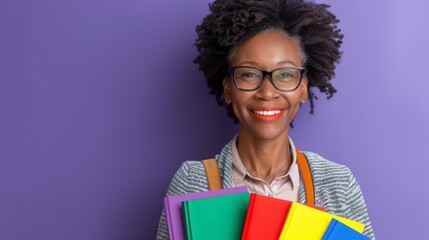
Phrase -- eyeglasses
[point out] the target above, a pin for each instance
(283, 79)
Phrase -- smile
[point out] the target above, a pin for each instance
(268, 113)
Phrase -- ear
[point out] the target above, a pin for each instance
(227, 90)
(304, 90)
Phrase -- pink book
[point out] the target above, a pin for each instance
(174, 212)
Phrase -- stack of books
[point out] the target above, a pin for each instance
(233, 214)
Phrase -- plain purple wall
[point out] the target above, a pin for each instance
(100, 103)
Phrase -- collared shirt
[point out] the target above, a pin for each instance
(283, 187)
(335, 187)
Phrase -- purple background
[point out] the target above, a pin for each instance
(100, 103)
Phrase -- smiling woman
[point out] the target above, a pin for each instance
(266, 111)
(261, 60)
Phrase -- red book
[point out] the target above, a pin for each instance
(265, 217)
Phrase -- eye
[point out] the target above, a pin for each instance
(284, 74)
(249, 75)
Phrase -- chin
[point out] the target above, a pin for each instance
(270, 133)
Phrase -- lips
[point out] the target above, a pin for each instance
(267, 114)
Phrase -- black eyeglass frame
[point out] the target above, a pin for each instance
(301, 70)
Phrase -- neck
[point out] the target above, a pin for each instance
(265, 159)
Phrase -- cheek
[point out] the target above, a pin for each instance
(300, 95)
(294, 102)
(239, 102)
(238, 112)
(294, 99)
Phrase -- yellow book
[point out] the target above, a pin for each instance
(306, 223)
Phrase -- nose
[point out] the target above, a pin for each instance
(267, 91)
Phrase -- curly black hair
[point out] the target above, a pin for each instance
(232, 22)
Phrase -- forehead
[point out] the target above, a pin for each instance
(269, 49)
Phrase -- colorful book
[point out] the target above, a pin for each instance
(306, 223)
(216, 218)
(339, 231)
(174, 211)
(265, 217)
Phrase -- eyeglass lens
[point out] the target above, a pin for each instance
(285, 79)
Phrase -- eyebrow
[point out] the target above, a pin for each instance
(286, 62)
(278, 63)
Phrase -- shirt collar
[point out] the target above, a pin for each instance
(292, 174)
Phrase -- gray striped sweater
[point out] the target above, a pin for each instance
(335, 187)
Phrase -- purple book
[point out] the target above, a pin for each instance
(174, 212)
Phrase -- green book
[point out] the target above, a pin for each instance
(216, 218)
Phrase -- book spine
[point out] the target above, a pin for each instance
(245, 235)
(329, 230)
(168, 216)
(187, 220)
(287, 222)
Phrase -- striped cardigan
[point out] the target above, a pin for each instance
(335, 188)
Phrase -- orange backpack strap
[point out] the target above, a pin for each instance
(307, 178)
(214, 178)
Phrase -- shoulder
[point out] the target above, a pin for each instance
(191, 175)
(325, 170)
(189, 178)
(331, 181)
(189, 169)
(334, 184)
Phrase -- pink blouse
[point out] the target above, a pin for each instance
(283, 187)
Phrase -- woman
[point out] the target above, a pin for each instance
(261, 59)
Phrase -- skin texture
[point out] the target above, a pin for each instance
(263, 143)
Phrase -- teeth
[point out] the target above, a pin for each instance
(267, 113)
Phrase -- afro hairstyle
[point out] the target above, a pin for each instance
(232, 22)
